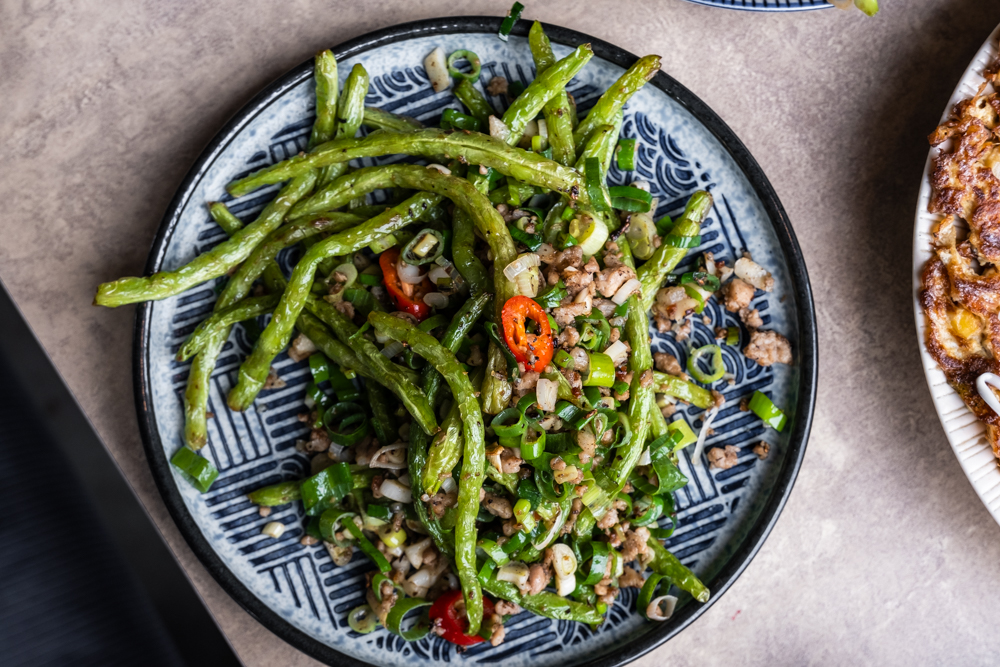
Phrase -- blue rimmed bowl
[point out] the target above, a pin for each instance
(296, 591)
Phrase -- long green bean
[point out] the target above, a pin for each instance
(222, 319)
(464, 256)
(475, 102)
(653, 272)
(556, 110)
(211, 264)
(641, 392)
(285, 236)
(338, 353)
(446, 448)
(278, 332)
(682, 389)
(350, 112)
(391, 375)
(224, 218)
(379, 119)
(546, 603)
(601, 144)
(615, 97)
(470, 147)
(545, 86)
(473, 457)
(327, 84)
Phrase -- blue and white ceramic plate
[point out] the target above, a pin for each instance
(297, 591)
(766, 5)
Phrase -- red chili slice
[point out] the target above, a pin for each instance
(534, 350)
(413, 305)
(453, 622)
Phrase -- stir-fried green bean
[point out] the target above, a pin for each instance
(615, 97)
(557, 113)
(222, 319)
(327, 86)
(601, 144)
(391, 375)
(378, 119)
(545, 86)
(285, 236)
(224, 218)
(350, 112)
(653, 272)
(474, 101)
(641, 393)
(464, 256)
(211, 264)
(470, 147)
(473, 458)
(276, 335)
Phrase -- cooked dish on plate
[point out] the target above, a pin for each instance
(961, 282)
(489, 424)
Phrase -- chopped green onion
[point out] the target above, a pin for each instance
(733, 336)
(702, 279)
(425, 247)
(197, 469)
(552, 296)
(762, 406)
(486, 572)
(362, 300)
(594, 181)
(532, 441)
(687, 436)
(371, 276)
(346, 423)
(533, 241)
(626, 154)
(380, 512)
(650, 508)
(602, 371)
(563, 360)
(362, 619)
(620, 387)
(664, 225)
(621, 310)
(598, 563)
(400, 609)
(515, 543)
(718, 366)
(452, 118)
(508, 23)
(494, 551)
(693, 292)
(364, 544)
(319, 366)
(514, 90)
(326, 487)
(474, 63)
(630, 199)
(567, 412)
(503, 427)
(567, 213)
(527, 402)
(537, 143)
(669, 478)
(321, 400)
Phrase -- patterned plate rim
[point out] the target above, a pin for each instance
(806, 322)
(965, 433)
(730, 4)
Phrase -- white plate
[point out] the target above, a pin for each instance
(966, 434)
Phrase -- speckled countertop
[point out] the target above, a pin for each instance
(883, 555)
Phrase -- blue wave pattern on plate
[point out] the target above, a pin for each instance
(257, 447)
(766, 5)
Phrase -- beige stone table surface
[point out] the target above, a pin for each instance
(883, 555)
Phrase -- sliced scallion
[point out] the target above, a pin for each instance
(763, 407)
(197, 469)
(508, 23)
(474, 63)
(718, 365)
